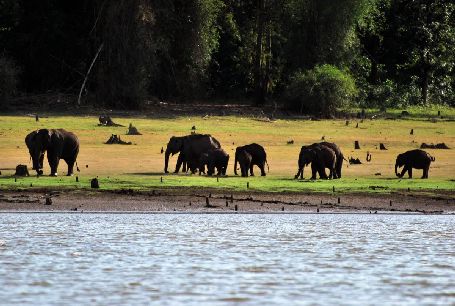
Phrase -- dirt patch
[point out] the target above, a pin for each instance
(205, 200)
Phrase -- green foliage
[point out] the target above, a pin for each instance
(321, 90)
(9, 75)
(399, 52)
(410, 44)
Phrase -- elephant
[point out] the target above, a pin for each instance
(245, 160)
(339, 156)
(320, 157)
(190, 148)
(59, 144)
(417, 159)
(217, 158)
(258, 157)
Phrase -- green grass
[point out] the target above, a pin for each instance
(140, 166)
(270, 184)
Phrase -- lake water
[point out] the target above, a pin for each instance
(226, 259)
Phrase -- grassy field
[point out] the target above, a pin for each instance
(140, 166)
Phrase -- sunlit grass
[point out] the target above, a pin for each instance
(140, 165)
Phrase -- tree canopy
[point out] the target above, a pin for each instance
(396, 52)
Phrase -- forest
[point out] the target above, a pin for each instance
(310, 56)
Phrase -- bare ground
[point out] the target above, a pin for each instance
(206, 201)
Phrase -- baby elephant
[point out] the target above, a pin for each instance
(217, 158)
(417, 159)
(244, 159)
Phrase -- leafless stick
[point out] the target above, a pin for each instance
(88, 72)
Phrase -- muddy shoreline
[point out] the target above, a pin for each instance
(212, 201)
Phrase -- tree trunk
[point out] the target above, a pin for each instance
(425, 81)
(258, 77)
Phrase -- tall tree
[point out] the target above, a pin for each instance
(427, 35)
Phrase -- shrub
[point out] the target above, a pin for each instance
(9, 79)
(321, 90)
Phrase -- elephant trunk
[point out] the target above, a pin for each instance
(166, 160)
(37, 161)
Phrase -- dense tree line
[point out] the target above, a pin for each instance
(304, 53)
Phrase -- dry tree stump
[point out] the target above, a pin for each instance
(412, 132)
(382, 147)
(21, 170)
(107, 121)
(94, 183)
(115, 139)
(132, 130)
(356, 145)
(354, 161)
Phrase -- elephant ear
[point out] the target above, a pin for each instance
(30, 139)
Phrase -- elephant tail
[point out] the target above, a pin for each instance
(432, 158)
(77, 168)
(268, 169)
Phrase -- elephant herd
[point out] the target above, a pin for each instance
(200, 151)
(197, 151)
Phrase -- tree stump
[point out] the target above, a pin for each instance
(94, 183)
(21, 170)
(48, 200)
(412, 132)
(356, 145)
(107, 121)
(132, 130)
(382, 147)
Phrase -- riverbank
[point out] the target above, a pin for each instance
(186, 200)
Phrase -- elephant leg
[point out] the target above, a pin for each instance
(70, 167)
(244, 170)
(179, 164)
(251, 170)
(322, 173)
(410, 172)
(54, 166)
(313, 172)
(53, 160)
(425, 173)
(299, 173)
(262, 166)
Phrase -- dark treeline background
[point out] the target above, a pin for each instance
(310, 55)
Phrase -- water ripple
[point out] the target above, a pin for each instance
(101, 259)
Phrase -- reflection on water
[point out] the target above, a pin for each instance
(108, 259)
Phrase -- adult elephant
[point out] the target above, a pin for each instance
(258, 157)
(320, 157)
(58, 143)
(339, 156)
(417, 159)
(190, 148)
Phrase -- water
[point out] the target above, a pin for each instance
(277, 259)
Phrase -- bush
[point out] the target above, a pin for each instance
(321, 90)
(9, 79)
